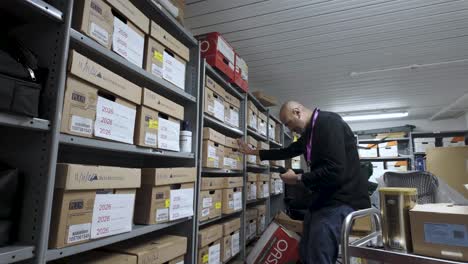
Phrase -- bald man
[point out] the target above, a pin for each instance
(329, 147)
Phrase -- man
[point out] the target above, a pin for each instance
(329, 147)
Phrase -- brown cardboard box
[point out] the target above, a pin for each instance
(235, 159)
(232, 182)
(271, 130)
(153, 203)
(95, 19)
(132, 13)
(290, 224)
(214, 102)
(213, 135)
(211, 183)
(232, 100)
(162, 104)
(450, 164)
(146, 127)
(209, 235)
(252, 116)
(251, 229)
(252, 159)
(263, 189)
(99, 257)
(213, 155)
(231, 226)
(210, 83)
(231, 143)
(98, 75)
(169, 41)
(275, 175)
(166, 176)
(252, 177)
(226, 253)
(262, 123)
(177, 260)
(160, 250)
(265, 146)
(262, 177)
(231, 110)
(440, 230)
(232, 200)
(251, 190)
(251, 214)
(265, 99)
(214, 248)
(261, 219)
(79, 108)
(210, 204)
(362, 225)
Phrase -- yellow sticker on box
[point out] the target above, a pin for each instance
(153, 124)
(205, 258)
(158, 56)
(218, 205)
(167, 203)
(211, 159)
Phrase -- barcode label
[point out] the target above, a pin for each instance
(81, 125)
(79, 232)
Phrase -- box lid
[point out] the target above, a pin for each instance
(388, 144)
(89, 177)
(441, 208)
(251, 177)
(210, 83)
(213, 135)
(262, 116)
(262, 145)
(162, 104)
(167, 176)
(368, 146)
(169, 41)
(132, 13)
(232, 100)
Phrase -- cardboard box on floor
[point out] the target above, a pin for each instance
(211, 253)
(210, 204)
(153, 203)
(440, 230)
(209, 235)
(450, 164)
(79, 196)
(159, 250)
(214, 99)
(232, 200)
(211, 183)
(95, 19)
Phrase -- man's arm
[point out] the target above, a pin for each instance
(331, 173)
(293, 150)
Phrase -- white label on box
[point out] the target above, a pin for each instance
(234, 163)
(81, 125)
(174, 70)
(219, 109)
(114, 121)
(252, 159)
(234, 117)
(207, 202)
(262, 223)
(99, 34)
(205, 212)
(235, 244)
(156, 70)
(162, 215)
(226, 50)
(446, 234)
(79, 232)
(237, 197)
(127, 43)
(151, 139)
(168, 134)
(253, 121)
(262, 128)
(266, 190)
(253, 191)
(231, 204)
(112, 214)
(214, 254)
(229, 162)
(252, 229)
(181, 204)
(216, 162)
(212, 152)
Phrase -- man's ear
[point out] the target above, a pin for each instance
(297, 112)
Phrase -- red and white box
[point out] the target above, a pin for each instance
(218, 53)
(241, 74)
(276, 245)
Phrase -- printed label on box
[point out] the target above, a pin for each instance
(112, 214)
(205, 212)
(226, 50)
(156, 70)
(207, 202)
(252, 229)
(253, 121)
(99, 34)
(219, 109)
(151, 139)
(228, 162)
(237, 197)
(168, 135)
(266, 191)
(174, 71)
(252, 159)
(127, 43)
(214, 254)
(234, 118)
(446, 234)
(81, 125)
(262, 128)
(233, 163)
(253, 191)
(162, 215)
(181, 204)
(114, 121)
(235, 244)
(262, 223)
(231, 204)
(212, 152)
(80, 232)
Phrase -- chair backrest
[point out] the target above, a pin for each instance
(425, 182)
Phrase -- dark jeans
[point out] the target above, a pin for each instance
(322, 234)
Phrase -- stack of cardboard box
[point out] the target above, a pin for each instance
(209, 244)
(166, 194)
(263, 185)
(251, 186)
(210, 197)
(92, 202)
(251, 217)
(231, 239)
(232, 194)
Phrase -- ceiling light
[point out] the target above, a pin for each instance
(374, 116)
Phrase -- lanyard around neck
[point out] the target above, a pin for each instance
(311, 135)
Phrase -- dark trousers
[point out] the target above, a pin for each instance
(322, 234)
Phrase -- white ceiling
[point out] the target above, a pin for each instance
(306, 50)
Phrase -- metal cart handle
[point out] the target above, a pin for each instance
(376, 225)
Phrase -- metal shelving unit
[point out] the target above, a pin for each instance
(12, 254)
(222, 217)
(256, 135)
(221, 171)
(12, 120)
(222, 127)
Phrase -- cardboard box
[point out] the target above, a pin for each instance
(398, 166)
(98, 75)
(231, 143)
(169, 41)
(146, 127)
(368, 151)
(209, 235)
(251, 190)
(289, 223)
(263, 189)
(362, 225)
(167, 176)
(261, 177)
(210, 204)
(265, 99)
(251, 223)
(231, 226)
(388, 149)
(275, 239)
(440, 230)
(99, 257)
(210, 253)
(252, 177)
(453, 141)
(276, 186)
(252, 116)
(81, 212)
(95, 19)
(232, 182)
(175, 7)
(162, 104)
(241, 74)
(230, 246)
(263, 145)
(159, 250)
(233, 159)
(450, 164)
(226, 253)
(232, 200)
(161, 204)
(178, 260)
(212, 155)
(214, 136)
(231, 115)
(262, 124)
(251, 214)
(218, 53)
(252, 159)
(214, 101)
(421, 145)
(278, 132)
(211, 183)
(132, 13)
(261, 219)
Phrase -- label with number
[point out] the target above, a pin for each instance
(81, 125)
(114, 121)
(162, 215)
(214, 253)
(235, 244)
(237, 197)
(80, 232)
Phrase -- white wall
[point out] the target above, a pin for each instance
(460, 123)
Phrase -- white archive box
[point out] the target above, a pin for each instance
(422, 144)
(397, 166)
(377, 171)
(388, 149)
(368, 151)
(453, 141)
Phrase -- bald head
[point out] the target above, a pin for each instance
(289, 106)
(295, 116)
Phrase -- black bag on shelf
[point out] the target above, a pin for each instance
(10, 204)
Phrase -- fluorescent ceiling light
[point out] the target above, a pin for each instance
(374, 116)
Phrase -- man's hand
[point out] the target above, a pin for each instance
(290, 177)
(244, 148)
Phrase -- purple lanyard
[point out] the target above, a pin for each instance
(309, 144)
